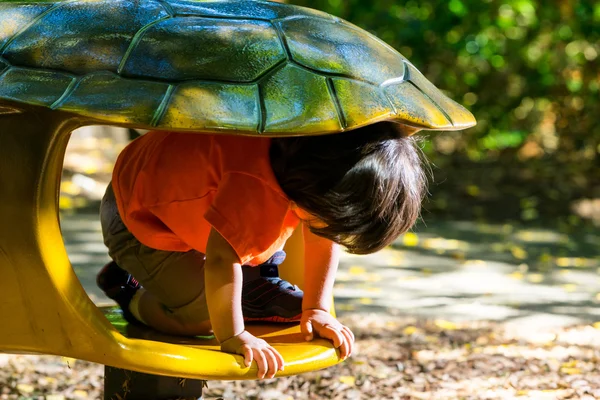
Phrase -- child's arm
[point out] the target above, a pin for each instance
(321, 259)
(223, 281)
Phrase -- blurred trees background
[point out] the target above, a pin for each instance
(529, 72)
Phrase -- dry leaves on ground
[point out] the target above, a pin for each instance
(394, 359)
(407, 359)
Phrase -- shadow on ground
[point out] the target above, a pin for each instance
(454, 270)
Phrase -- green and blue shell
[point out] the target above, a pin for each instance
(253, 67)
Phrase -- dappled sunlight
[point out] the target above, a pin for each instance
(87, 253)
(87, 169)
(540, 236)
(199, 105)
(577, 262)
(539, 249)
(476, 272)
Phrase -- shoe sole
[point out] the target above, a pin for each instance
(274, 313)
(274, 319)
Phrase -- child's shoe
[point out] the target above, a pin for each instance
(120, 286)
(267, 297)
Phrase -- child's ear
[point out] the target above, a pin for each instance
(307, 217)
(406, 130)
(298, 212)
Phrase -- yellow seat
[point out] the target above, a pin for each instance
(44, 308)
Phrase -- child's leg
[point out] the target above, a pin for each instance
(173, 299)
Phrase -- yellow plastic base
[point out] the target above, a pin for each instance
(44, 308)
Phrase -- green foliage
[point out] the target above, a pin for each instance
(528, 70)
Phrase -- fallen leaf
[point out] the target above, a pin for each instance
(80, 394)
(410, 330)
(25, 388)
(446, 325)
(348, 380)
(570, 371)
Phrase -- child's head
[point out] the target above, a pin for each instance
(366, 185)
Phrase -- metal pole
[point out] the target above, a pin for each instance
(122, 384)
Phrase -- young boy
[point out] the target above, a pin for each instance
(200, 221)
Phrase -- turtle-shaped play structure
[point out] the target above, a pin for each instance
(232, 67)
(250, 66)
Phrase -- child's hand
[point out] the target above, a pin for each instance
(326, 326)
(268, 360)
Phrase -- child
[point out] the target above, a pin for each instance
(192, 216)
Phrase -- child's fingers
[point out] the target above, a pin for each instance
(272, 362)
(329, 332)
(344, 346)
(350, 332)
(261, 362)
(349, 340)
(247, 355)
(279, 358)
(307, 329)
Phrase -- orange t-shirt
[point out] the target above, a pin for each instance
(171, 188)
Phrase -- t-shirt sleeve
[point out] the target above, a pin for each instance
(248, 213)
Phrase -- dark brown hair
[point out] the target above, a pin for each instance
(366, 185)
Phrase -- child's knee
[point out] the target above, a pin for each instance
(191, 325)
(197, 328)
(192, 318)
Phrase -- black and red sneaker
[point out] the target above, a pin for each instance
(120, 286)
(267, 297)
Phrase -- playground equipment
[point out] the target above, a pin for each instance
(229, 67)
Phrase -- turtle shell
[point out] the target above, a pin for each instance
(253, 67)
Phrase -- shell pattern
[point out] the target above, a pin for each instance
(249, 66)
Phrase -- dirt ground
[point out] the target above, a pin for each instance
(394, 359)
